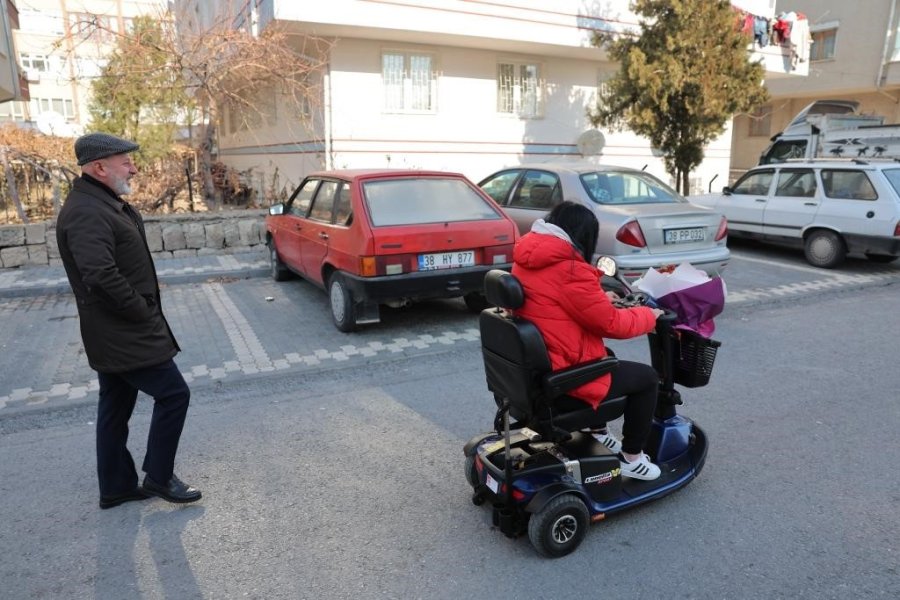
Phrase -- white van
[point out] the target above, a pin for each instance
(829, 207)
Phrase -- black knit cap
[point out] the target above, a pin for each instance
(95, 146)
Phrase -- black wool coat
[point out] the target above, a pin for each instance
(104, 251)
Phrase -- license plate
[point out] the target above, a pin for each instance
(447, 260)
(681, 236)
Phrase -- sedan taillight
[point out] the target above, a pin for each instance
(498, 255)
(630, 233)
(897, 229)
(723, 229)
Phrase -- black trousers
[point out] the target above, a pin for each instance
(118, 394)
(640, 383)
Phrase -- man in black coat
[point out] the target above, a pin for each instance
(126, 337)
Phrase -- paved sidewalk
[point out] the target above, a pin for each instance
(34, 281)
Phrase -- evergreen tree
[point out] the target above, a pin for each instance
(139, 94)
(681, 80)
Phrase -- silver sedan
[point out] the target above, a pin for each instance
(643, 222)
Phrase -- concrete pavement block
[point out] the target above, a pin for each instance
(194, 235)
(37, 255)
(215, 235)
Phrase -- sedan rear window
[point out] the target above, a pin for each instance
(627, 188)
(431, 200)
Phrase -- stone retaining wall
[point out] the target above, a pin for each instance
(168, 236)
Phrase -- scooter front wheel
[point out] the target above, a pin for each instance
(559, 527)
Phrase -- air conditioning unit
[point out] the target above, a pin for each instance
(33, 75)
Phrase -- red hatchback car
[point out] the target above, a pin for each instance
(371, 237)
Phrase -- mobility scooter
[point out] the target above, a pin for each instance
(541, 474)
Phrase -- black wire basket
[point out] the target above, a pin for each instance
(695, 359)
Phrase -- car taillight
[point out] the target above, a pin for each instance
(498, 255)
(389, 264)
(630, 233)
(723, 229)
(897, 229)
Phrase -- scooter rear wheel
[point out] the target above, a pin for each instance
(559, 527)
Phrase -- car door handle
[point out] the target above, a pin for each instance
(323, 235)
(298, 226)
(810, 204)
(760, 199)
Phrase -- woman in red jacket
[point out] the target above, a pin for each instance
(563, 298)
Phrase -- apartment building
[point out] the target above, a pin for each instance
(61, 46)
(463, 85)
(855, 55)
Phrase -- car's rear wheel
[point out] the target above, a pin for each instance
(824, 248)
(881, 258)
(341, 300)
(278, 270)
(476, 302)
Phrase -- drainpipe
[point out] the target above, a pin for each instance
(879, 81)
(329, 158)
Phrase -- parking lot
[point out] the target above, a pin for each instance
(232, 327)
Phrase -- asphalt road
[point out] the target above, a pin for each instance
(331, 464)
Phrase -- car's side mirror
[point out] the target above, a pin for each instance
(726, 190)
(276, 209)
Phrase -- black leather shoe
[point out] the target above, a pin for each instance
(116, 499)
(174, 491)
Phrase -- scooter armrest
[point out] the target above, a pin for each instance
(557, 383)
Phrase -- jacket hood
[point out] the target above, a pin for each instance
(543, 246)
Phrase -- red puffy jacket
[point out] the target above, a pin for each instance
(563, 298)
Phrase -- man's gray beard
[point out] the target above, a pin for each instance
(121, 186)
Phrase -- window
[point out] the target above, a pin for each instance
(410, 82)
(854, 185)
(539, 190)
(823, 44)
(324, 202)
(602, 87)
(98, 27)
(39, 63)
(12, 111)
(343, 209)
(782, 151)
(63, 106)
(298, 203)
(627, 188)
(498, 186)
(519, 90)
(761, 121)
(424, 200)
(756, 183)
(796, 182)
(42, 21)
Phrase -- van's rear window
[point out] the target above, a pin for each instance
(893, 176)
(424, 200)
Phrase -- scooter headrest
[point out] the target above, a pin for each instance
(503, 289)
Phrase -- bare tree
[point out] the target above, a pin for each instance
(225, 71)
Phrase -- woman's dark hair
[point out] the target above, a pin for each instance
(580, 223)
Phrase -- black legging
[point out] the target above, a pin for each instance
(640, 383)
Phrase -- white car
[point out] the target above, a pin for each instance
(829, 207)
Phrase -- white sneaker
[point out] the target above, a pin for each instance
(642, 468)
(614, 445)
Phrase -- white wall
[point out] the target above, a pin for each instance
(464, 134)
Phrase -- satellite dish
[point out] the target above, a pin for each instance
(52, 123)
(591, 143)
